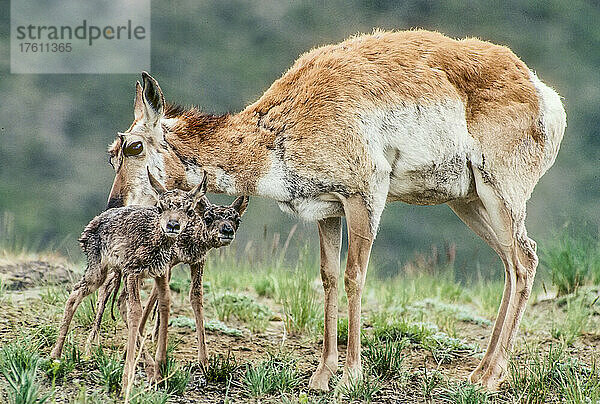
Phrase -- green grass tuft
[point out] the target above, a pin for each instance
(384, 361)
(275, 375)
(545, 376)
(464, 393)
(221, 368)
(176, 377)
(110, 370)
(578, 316)
(244, 308)
(573, 261)
(363, 389)
(18, 364)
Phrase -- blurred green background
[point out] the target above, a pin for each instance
(222, 55)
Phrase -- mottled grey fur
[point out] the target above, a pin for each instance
(135, 242)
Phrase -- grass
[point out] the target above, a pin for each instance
(464, 393)
(228, 305)
(210, 325)
(147, 395)
(302, 307)
(545, 376)
(362, 389)
(221, 369)
(417, 336)
(18, 364)
(342, 331)
(176, 376)
(573, 261)
(577, 318)
(278, 374)
(110, 370)
(86, 312)
(384, 360)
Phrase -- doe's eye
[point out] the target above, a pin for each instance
(133, 149)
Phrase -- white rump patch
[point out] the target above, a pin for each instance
(553, 118)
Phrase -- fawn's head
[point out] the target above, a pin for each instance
(222, 221)
(176, 207)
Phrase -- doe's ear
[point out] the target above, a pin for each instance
(138, 105)
(156, 185)
(153, 98)
(240, 204)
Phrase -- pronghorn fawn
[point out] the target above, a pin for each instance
(221, 224)
(409, 116)
(134, 242)
(215, 226)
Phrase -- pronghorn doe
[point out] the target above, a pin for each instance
(136, 242)
(409, 116)
(215, 228)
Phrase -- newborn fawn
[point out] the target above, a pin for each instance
(214, 227)
(134, 242)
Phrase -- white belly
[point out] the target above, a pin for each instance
(425, 149)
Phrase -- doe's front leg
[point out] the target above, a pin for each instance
(330, 237)
(360, 240)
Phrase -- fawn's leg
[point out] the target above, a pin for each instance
(104, 293)
(134, 315)
(150, 303)
(164, 305)
(157, 320)
(92, 279)
(196, 297)
(330, 237)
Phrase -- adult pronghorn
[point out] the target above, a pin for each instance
(394, 116)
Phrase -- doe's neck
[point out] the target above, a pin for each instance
(233, 149)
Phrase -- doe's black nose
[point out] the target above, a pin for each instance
(172, 225)
(226, 229)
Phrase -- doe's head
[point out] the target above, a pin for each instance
(222, 222)
(176, 207)
(143, 144)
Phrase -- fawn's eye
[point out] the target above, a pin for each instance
(208, 218)
(133, 149)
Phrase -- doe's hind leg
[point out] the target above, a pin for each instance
(518, 254)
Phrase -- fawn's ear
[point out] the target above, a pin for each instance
(240, 204)
(199, 190)
(156, 185)
(201, 202)
(153, 98)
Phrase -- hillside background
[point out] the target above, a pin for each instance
(221, 55)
